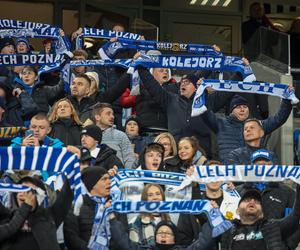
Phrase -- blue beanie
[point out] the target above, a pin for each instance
(236, 101)
(24, 40)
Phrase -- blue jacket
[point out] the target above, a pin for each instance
(229, 130)
(48, 142)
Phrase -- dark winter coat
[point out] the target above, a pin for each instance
(274, 231)
(67, 131)
(78, 229)
(243, 155)
(45, 221)
(123, 242)
(229, 130)
(149, 112)
(178, 109)
(85, 105)
(43, 95)
(107, 158)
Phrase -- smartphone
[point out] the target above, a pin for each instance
(29, 133)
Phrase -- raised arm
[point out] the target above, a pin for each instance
(274, 122)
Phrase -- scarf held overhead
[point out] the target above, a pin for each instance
(43, 159)
(109, 49)
(274, 89)
(243, 173)
(218, 223)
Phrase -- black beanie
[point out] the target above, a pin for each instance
(5, 42)
(91, 175)
(236, 101)
(93, 131)
(192, 78)
(169, 224)
(133, 118)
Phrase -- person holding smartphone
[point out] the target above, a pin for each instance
(37, 135)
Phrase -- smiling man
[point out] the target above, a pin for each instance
(254, 231)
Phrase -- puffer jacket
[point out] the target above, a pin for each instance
(243, 155)
(67, 131)
(229, 130)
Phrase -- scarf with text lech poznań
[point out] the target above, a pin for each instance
(274, 89)
(243, 173)
(215, 218)
(102, 33)
(108, 50)
(134, 179)
(197, 62)
(43, 159)
(101, 235)
(7, 133)
(16, 28)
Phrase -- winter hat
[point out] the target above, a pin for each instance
(169, 224)
(91, 175)
(251, 193)
(5, 42)
(236, 101)
(24, 40)
(93, 131)
(95, 76)
(261, 154)
(192, 78)
(133, 118)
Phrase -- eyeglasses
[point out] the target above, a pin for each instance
(183, 82)
(165, 234)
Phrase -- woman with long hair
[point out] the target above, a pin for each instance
(189, 153)
(169, 143)
(142, 230)
(65, 123)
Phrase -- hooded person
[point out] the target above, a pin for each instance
(22, 45)
(150, 159)
(89, 228)
(39, 229)
(132, 129)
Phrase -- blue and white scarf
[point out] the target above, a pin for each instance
(102, 33)
(109, 49)
(43, 159)
(147, 176)
(243, 173)
(16, 28)
(213, 63)
(30, 59)
(274, 89)
(101, 235)
(217, 221)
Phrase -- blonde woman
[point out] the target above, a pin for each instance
(94, 82)
(169, 143)
(142, 230)
(65, 123)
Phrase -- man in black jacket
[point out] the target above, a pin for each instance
(79, 229)
(38, 232)
(179, 106)
(102, 155)
(254, 231)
